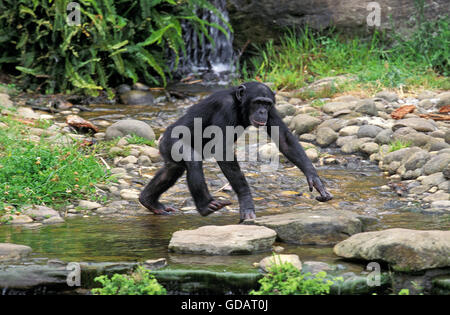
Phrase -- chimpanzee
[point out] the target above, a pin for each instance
(251, 103)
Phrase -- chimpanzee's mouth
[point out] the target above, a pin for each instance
(258, 123)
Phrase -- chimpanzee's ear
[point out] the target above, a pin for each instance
(240, 92)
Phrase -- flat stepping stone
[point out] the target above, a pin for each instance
(312, 227)
(10, 251)
(403, 249)
(223, 240)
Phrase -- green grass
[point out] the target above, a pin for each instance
(135, 139)
(40, 172)
(397, 145)
(303, 57)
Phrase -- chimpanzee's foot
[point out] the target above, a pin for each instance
(247, 215)
(158, 208)
(213, 206)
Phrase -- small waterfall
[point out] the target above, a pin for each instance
(211, 63)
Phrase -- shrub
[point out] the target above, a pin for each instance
(116, 41)
(398, 144)
(285, 279)
(141, 282)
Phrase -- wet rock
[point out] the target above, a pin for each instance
(128, 127)
(16, 219)
(123, 88)
(405, 250)
(367, 107)
(40, 213)
(437, 164)
(303, 123)
(154, 264)
(53, 220)
(318, 227)
(326, 136)
(135, 97)
(88, 205)
(315, 267)
(419, 124)
(275, 260)
(368, 131)
(387, 95)
(10, 251)
(223, 240)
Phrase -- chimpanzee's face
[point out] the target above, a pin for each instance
(258, 100)
(259, 110)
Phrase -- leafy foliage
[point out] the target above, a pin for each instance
(398, 144)
(141, 282)
(116, 41)
(285, 279)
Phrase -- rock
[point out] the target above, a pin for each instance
(286, 110)
(354, 145)
(16, 219)
(278, 249)
(128, 160)
(128, 127)
(268, 152)
(437, 164)
(223, 240)
(384, 137)
(303, 123)
(326, 136)
(40, 213)
(439, 195)
(315, 267)
(27, 113)
(53, 220)
(433, 179)
(368, 131)
(419, 124)
(444, 204)
(81, 124)
(447, 136)
(144, 160)
(405, 250)
(312, 154)
(399, 155)
(334, 123)
(275, 260)
(426, 104)
(416, 160)
(88, 205)
(318, 227)
(135, 97)
(307, 137)
(348, 131)
(123, 88)
(443, 99)
(140, 87)
(5, 101)
(154, 264)
(446, 172)
(387, 95)
(426, 95)
(367, 107)
(369, 148)
(129, 194)
(10, 251)
(333, 107)
(152, 153)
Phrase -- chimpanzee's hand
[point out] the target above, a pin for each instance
(315, 182)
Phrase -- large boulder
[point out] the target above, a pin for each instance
(10, 251)
(318, 227)
(130, 126)
(223, 240)
(403, 249)
(326, 136)
(261, 20)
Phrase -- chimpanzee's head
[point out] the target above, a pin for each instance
(257, 99)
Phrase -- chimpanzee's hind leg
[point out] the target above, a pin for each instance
(162, 181)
